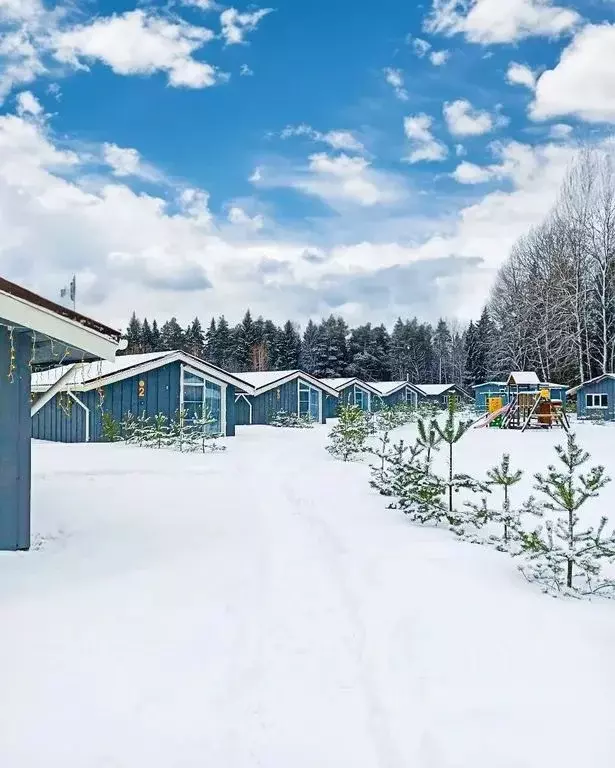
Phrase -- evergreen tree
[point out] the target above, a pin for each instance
(505, 478)
(156, 340)
(133, 336)
(473, 366)
(563, 557)
(289, 348)
(244, 340)
(224, 345)
(171, 335)
(348, 437)
(211, 353)
(380, 350)
(147, 337)
(309, 347)
(331, 348)
(442, 342)
(271, 339)
(194, 342)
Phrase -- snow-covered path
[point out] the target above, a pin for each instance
(263, 608)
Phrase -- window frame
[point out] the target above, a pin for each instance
(601, 396)
(303, 384)
(186, 369)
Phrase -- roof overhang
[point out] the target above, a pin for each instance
(595, 380)
(20, 308)
(307, 377)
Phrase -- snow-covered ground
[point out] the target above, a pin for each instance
(262, 607)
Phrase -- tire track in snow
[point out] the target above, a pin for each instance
(330, 551)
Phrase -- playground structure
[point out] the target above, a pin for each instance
(528, 406)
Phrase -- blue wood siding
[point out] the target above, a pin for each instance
(15, 442)
(282, 398)
(161, 395)
(607, 387)
(331, 405)
(61, 417)
(242, 411)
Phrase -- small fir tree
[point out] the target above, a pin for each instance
(564, 557)
(348, 437)
(502, 476)
(451, 433)
(428, 439)
(110, 428)
(160, 430)
(128, 426)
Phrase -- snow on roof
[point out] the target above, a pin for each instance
(258, 379)
(387, 387)
(489, 383)
(339, 383)
(435, 389)
(595, 380)
(92, 371)
(524, 378)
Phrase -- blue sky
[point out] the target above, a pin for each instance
(195, 157)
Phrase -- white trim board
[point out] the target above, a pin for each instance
(63, 329)
(87, 414)
(245, 397)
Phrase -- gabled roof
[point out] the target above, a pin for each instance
(595, 380)
(490, 383)
(386, 388)
(262, 381)
(433, 390)
(82, 336)
(94, 375)
(343, 383)
(524, 378)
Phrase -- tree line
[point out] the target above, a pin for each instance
(413, 350)
(553, 302)
(551, 310)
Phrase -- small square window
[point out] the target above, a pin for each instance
(604, 401)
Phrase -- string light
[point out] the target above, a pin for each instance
(12, 355)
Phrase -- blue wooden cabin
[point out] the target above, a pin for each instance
(158, 382)
(34, 333)
(440, 394)
(518, 381)
(396, 393)
(266, 393)
(351, 391)
(596, 398)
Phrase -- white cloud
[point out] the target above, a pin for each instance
(469, 173)
(245, 71)
(460, 150)
(123, 162)
(136, 43)
(496, 21)
(235, 25)
(560, 131)
(438, 58)
(583, 82)
(423, 145)
(421, 47)
(463, 120)
(395, 78)
(203, 5)
(338, 139)
(520, 74)
(28, 104)
(240, 218)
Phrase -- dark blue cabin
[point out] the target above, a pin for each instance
(34, 332)
(266, 393)
(351, 391)
(168, 383)
(395, 393)
(596, 398)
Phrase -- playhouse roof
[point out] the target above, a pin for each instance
(262, 381)
(595, 380)
(93, 375)
(529, 378)
(83, 337)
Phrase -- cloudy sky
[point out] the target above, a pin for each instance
(192, 157)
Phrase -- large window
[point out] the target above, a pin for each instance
(597, 401)
(203, 399)
(309, 401)
(360, 398)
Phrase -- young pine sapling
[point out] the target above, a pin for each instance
(348, 437)
(563, 556)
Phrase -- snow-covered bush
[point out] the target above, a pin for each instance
(285, 419)
(348, 438)
(561, 555)
(396, 468)
(393, 416)
(128, 427)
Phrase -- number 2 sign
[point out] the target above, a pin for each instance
(141, 389)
